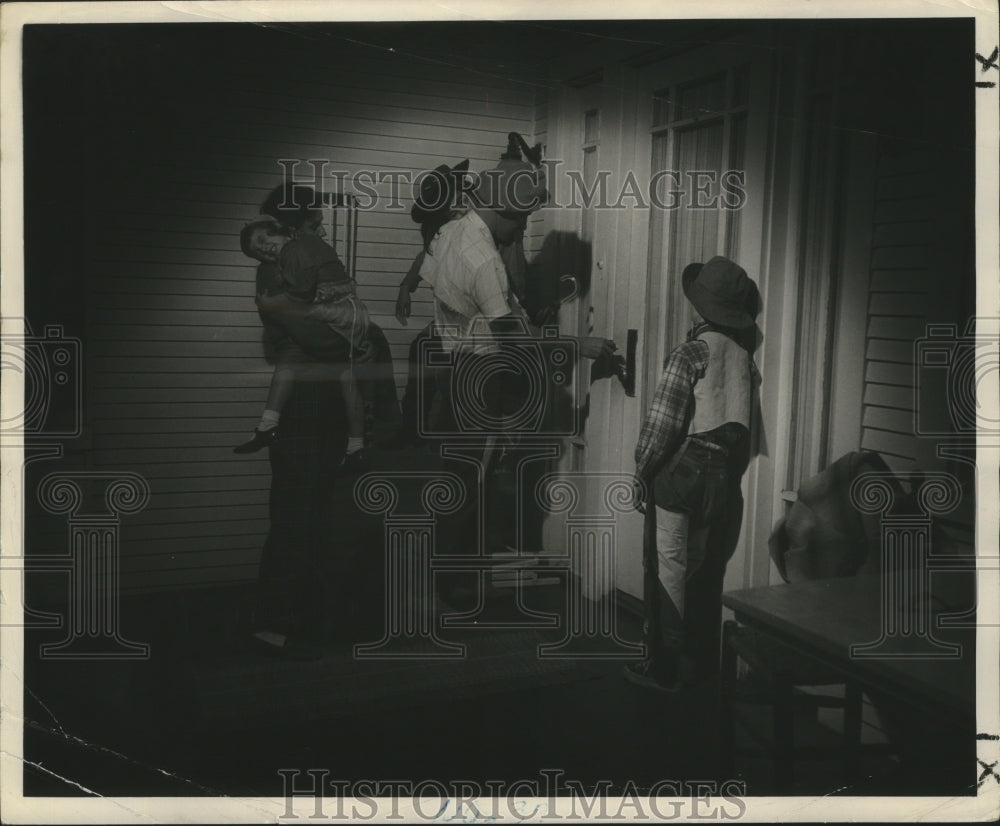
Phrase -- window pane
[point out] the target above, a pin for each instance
(695, 235)
(737, 163)
(591, 126)
(701, 99)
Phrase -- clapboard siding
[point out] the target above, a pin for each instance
(177, 372)
(905, 289)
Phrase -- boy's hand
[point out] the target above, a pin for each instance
(639, 494)
(403, 305)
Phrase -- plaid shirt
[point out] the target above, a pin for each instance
(666, 422)
(470, 284)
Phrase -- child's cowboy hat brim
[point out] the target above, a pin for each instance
(437, 191)
(722, 292)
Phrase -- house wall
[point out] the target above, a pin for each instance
(910, 230)
(914, 258)
(175, 367)
(899, 146)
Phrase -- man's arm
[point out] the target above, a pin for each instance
(406, 287)
(516, 321)
(664, 427)
(284, 306)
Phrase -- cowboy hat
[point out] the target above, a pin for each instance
(721, 291)
(824, 534)
(436, 193)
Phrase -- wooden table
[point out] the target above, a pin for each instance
(823, 623)
(825, 618)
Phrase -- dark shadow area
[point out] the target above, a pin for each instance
(559, 271)
(206, 716)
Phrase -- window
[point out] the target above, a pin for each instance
(699, 134)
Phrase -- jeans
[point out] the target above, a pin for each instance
(691, 533)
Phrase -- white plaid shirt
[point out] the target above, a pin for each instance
(469, 281)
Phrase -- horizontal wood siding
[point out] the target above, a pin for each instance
(921, 275)
(899, 291)
(176, 367)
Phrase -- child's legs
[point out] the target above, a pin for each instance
(672, 530)
(354, 405)
(282, 384)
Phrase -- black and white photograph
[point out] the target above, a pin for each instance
(500, 413)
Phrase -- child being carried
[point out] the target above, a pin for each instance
(315, 285)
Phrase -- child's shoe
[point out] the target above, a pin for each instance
(260, 440)
(357, 462)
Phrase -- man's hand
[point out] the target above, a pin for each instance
(403, 305)
(407, 286)
(594, 347)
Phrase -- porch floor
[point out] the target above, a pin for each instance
(207, 715)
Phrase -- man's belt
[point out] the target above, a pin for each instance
(710, 445)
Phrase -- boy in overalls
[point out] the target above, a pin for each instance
(692, 451)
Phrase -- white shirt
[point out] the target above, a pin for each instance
(470, 284)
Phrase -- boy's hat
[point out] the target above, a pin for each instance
(721, 291)
(437, 191)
